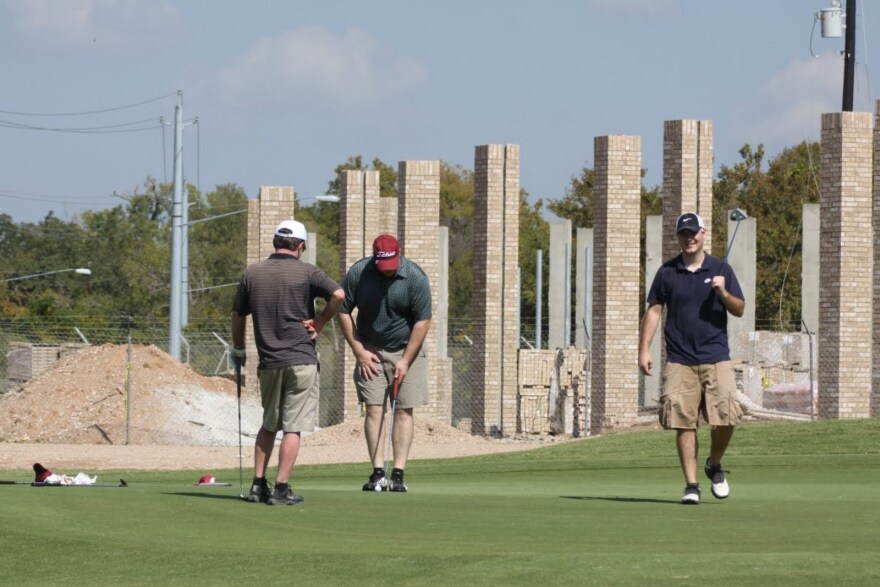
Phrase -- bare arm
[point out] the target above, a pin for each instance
(734, 305)
(316, 325)
(650, 321)
(238, 324)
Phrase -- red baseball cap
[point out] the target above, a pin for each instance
(386, 252)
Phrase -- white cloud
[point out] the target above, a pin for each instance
(638, 6)
(103, 24)
(788, 107)
(313, 65)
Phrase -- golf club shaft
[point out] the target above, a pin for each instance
(240, 465)
(389, 441)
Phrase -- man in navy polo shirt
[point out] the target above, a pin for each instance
(698, 291)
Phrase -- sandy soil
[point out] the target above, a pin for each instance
(71, 418)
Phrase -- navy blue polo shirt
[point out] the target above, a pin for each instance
(696, 319)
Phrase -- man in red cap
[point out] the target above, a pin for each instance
(393, 300)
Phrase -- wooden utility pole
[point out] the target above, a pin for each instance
(849, 56)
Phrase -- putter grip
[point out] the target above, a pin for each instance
(395, 389)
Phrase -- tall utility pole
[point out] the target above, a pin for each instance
(849, 56)
(177, 204)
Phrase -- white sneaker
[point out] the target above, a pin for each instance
(720, 488)
(691, 494)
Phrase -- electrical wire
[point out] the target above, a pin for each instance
(85, 129)
(85, 113)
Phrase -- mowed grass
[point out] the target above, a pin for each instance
(804, 510)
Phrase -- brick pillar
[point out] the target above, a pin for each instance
(614, 380)
(875, 388)
(273, 204)
(419, 219)
(845, 201)
(687, 178)
(359, 223)
(495, 298)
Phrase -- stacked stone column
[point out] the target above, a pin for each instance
(845, 367)
(614, 380)
(419, 221)
(687, 178)
(495, 300)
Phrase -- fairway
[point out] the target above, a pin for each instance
(804, 509)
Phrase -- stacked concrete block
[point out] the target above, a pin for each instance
(543, 407)
(615, 381)
(496, 299)
(559, 291)
(845, 348)
(687, 177)
(419, 219)
(875, 387)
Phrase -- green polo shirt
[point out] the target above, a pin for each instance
(387, 307)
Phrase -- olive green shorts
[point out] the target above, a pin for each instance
(690, 391)
(413, 391)
(290, 398)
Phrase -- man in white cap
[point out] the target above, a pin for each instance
(279, 293)
(698, 291)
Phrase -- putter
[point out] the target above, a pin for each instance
(394, 391)
(737, 215)
(122, 483)
(240, 472)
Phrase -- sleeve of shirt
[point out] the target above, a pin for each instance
(731, 283)
(657, 293)
(349, 287)
(421, 299)
(321, 284)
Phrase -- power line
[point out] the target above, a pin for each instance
(84, 113)
(86, 129)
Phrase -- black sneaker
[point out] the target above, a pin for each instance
(720, 488)
(261, 491)
(397, 484)
(691, 494)
(377, 482)
(284, 495)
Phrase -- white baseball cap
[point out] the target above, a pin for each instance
(292, 228)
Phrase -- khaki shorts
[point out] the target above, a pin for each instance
(693, 390)
(290, 398)
(413, 390)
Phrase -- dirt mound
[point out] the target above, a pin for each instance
(81, 399)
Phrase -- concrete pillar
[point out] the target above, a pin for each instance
(742, 259)
(617, 191)
(495, 301)
(559, 288)
(418, 188)
(845, 367)
(653, 261)
(583, 285)
(810, 269)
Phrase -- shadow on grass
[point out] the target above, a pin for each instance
(620, 499)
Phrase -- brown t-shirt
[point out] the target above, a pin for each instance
(279, 294)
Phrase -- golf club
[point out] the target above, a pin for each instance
(737, 215)
(394, 390)
(122, 483)
(240, 472)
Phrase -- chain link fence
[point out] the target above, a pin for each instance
(552, 386)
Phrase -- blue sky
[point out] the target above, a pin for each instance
(286, 90)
